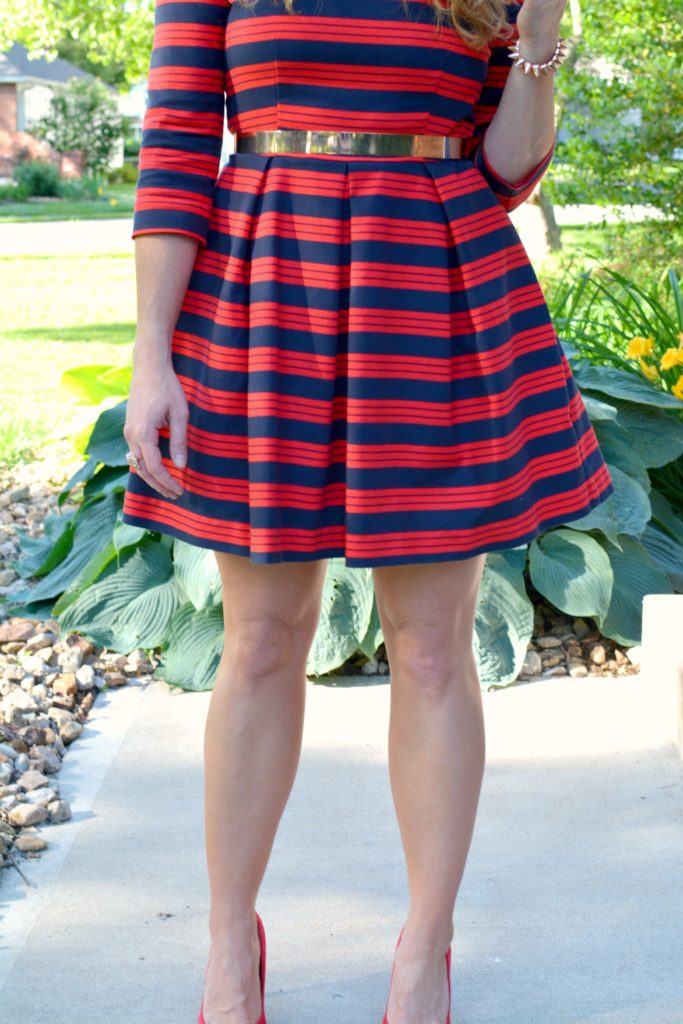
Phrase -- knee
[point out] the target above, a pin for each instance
(260, 649)
(429, 661)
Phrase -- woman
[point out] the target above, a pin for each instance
(342, 350)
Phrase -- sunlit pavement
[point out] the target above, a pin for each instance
(570, 910)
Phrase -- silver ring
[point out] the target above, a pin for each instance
(133, 460)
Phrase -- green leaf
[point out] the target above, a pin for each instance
(59, 550)
(598, 410)
(130, 607)
(107, 443)
(192, 656)
(117, 379)
(622, 384)
(504, 623)
(374, 635)
(90, 383)
(197, 573)
(617, 449)
(85, 472)
(125, 535)
(93, 570)
(36, 551)
(666, 553)
(515, 557)
(627, 510)
(93, 525)
(655, 436)
(106, 480)
(665, 518)
(572, 570)
(635, 574)
(345, 616)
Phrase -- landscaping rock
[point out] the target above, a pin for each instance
(69, 731)
(16, 629)
(32, 780)
(27, 814)
(30, 843)
(59, 810)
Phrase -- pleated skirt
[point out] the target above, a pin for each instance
(371, 372)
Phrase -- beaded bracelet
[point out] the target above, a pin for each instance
(553, 62)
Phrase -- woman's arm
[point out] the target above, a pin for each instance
(513, 138)
(163, 265)
(179, 160)
(523, 128)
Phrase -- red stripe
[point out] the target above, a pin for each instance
(372, 545)
(493, 406)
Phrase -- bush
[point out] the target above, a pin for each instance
(38, 178)
(83, 116)
(125, 175)
(81, 188)
(13, 193)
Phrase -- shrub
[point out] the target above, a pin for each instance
(82, 188)
(127, 174)
(38, 178)
(13, 193)
(83, 116)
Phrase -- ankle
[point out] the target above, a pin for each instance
(234, 931)
(427, 935)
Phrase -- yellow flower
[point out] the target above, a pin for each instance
(640, 347)
(113, 201)
(650, 371)
(680, 340)
(672, 357)
(677, 389)
(100, 190)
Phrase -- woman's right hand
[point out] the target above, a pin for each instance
(156, 399)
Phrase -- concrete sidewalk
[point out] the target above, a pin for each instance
(570, 911)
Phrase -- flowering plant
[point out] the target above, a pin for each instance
(667, 367)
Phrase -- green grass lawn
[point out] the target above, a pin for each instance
(58, 312)
(643, 251)
(117, 201)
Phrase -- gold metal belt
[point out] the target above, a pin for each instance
(293, 140)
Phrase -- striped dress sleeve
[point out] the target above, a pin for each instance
(509, 194)
(182, 129)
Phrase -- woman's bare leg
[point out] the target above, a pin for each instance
(436, 762)
(252, 746)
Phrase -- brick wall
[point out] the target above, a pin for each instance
(8, 107)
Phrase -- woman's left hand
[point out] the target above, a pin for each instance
(538, 24)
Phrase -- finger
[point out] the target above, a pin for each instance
(161, 478)
(178, 428)
(140, 470)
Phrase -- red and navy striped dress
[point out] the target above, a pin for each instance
(368, 359)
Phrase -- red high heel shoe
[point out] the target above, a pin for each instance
(262, 974)
(448, 974)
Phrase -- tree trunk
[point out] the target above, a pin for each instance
(552, 228)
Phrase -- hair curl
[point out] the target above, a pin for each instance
(477, 21)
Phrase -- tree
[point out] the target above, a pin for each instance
(109, 32)
(620, 106)
(83, 116)
(77, 52)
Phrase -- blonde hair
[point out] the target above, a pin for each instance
(477, 21)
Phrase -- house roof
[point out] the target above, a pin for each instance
(16, 66)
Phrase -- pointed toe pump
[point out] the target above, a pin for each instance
(448, 975)
(262, 974)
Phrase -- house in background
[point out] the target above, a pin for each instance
(26, 86)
